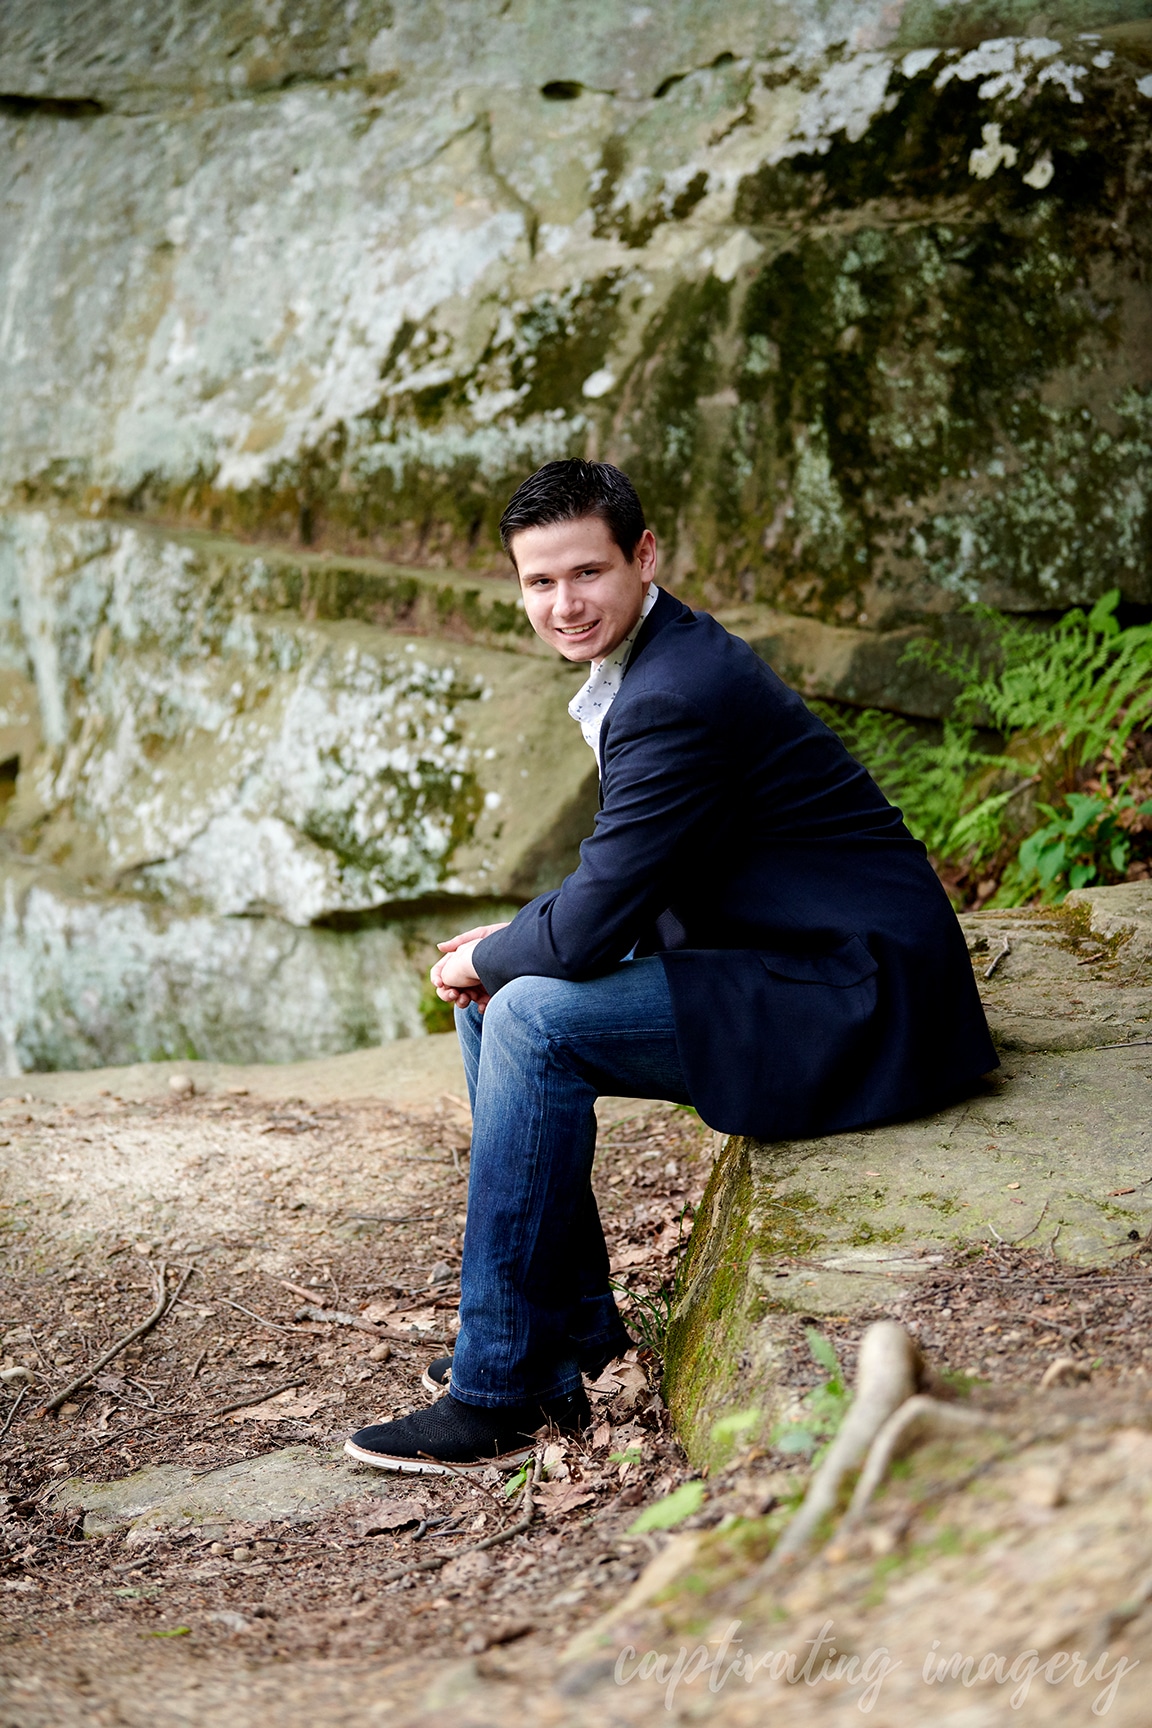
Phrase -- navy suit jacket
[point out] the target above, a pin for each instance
(819, 978)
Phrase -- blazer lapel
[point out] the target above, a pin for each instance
(666, 610)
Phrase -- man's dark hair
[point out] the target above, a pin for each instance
(565, 491)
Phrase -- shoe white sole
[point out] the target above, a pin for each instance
(429, 1466)
(436, 1387)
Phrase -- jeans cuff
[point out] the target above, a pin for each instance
(567, 1382)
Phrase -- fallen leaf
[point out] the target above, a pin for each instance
(601, 1436)
(1013, 1184)
(635, 1256)
(394, 1515)
(423, 1319)
(632, 1377)
(552, 1463)
(1113, 1192)
(377, 1312)
(284, 1406)
(556, 1498)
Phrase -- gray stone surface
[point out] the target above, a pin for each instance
(91, 980)
(211, 768)
(296, 1482)
(203, 746)
(1055, 1149)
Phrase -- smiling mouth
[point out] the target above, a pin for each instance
(576, 629)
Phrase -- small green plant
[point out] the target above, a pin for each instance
(649, 1312)
(630, 1455)
(437, 1016)
(516, 1482)
(824, 1406)
(727, 1430)
(1060, 803)
(672, 1510)
(962, 1384)
(1083, 842)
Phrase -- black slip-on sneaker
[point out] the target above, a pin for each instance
(437, 1377)
(465, 1436)
(449, 1433)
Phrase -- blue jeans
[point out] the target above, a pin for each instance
(535, 1304)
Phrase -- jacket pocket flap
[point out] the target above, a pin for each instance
(850, 963)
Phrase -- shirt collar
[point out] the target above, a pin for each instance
(590, 705)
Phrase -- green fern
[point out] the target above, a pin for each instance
(1066, 703)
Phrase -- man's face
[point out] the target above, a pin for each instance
(581, 594)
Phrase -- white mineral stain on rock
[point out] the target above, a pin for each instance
(598, 383)
(1041, 172)
(987, 157)
(847, 99)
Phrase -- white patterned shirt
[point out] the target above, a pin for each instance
(592, 701)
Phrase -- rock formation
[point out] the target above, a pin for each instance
(291, 292)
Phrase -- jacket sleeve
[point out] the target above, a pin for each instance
(664, 774)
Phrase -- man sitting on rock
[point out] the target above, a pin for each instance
(751, 930)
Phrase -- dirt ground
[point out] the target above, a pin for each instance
(267, 1206)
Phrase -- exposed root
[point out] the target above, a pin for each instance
(889, 1371)
(919, 1419)
(165, 1302)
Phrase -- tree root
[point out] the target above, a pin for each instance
(919, 1419)
(165, 1302)
(889, 1371)
(888, 1417)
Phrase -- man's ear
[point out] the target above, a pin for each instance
(645, 555)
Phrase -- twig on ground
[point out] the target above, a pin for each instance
(1000, 954)
(114, 1434)
(337, 1317)
(1131, 1044)
(300, 1290)
(435, 1561)
(381, 1218)
(12, 1413)
(164, 1305)
(474, 1482)
(889, 1367)
(251, 1402)
(199, 1363)
(332, 1317)
(1014, 1240)
(271, 1324)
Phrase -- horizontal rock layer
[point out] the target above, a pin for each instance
(89, 980)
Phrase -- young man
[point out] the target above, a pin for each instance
(751, 929)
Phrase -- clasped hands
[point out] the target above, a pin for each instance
(454, 977)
